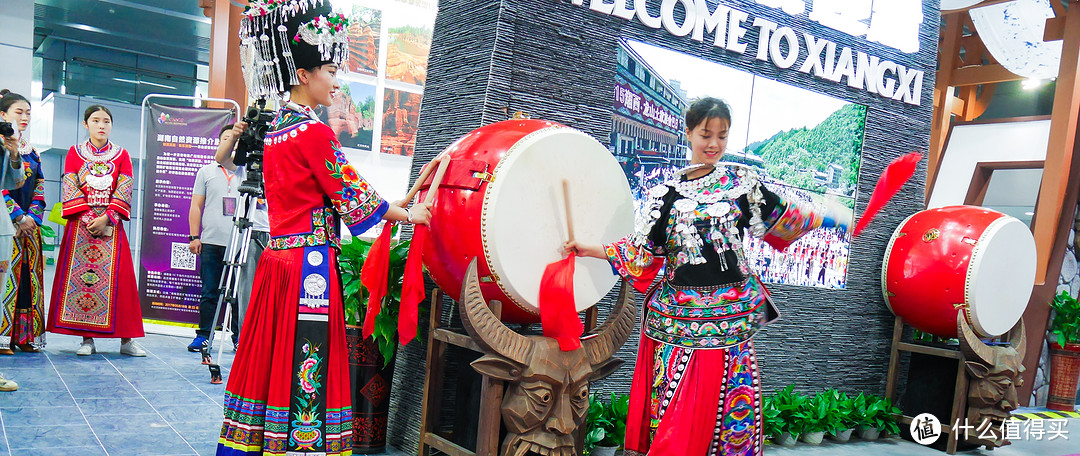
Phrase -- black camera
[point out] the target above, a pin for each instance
(249, 151)
(6, 129)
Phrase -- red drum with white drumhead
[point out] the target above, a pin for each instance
(968, 258)
(501, 201)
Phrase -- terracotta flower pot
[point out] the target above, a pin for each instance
(1064, 376)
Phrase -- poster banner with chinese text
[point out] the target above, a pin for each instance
(179, 140)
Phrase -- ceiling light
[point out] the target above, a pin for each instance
(1029, 213)
(130, 81)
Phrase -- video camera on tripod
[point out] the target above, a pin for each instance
(249, 153)
(249, 150)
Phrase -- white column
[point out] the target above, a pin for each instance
(17, 46)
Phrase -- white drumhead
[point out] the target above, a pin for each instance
(1000, 276)
(524, 219)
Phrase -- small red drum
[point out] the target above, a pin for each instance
(941, 260)
(501, 201)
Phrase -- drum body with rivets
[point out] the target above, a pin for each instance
(501, 201)
(966, 259)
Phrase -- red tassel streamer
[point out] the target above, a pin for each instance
(558, 313)
(895, 176)
(412, 287)
(374, 277)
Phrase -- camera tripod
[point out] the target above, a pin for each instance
(236, 255)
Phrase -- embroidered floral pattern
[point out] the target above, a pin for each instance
(705, 317)
(306, 433)
(322, 231)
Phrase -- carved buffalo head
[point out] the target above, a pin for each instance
(547, 391)
(995, 375)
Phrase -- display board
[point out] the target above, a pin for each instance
(179, 141)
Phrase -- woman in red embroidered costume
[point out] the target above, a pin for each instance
(94, 292)
(22, 319)
(289, 391)
(696, 390)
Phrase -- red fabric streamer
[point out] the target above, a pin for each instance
(412, 287)
(895, 176)
(558, 313)
(374, 276)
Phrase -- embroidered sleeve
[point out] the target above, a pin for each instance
(12, 207)
(37, 206)
(352, 197)
(784, 223)
(634, 262)
(72, 196)
(637, 257)
(120, 203)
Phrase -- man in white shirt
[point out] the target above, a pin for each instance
(213, 202)
(260, 220)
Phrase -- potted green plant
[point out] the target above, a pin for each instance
(817, 419)
(875, 416)
(771, 423)
(841, 417)
(790, 411)
(371, 360)
(605, 425)
(1064, 353)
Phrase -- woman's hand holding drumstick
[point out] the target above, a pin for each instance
(572, 245)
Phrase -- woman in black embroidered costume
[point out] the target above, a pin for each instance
(696, 390)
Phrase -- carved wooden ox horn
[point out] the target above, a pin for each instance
(616, 329)
(495, 337)
(489, 332)
(975, 349)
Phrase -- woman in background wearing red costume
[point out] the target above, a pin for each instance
(696, 389)
(94, 292)
(289, 390)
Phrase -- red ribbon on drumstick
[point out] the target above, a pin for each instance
(375, 273)
(558, 312)
(895, 176)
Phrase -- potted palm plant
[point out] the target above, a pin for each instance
(1064, 353)
(371, 360)
(605, 425)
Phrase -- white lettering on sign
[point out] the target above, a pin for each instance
(893, 23)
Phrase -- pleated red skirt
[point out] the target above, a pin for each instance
(94, 291)
(259, 389)
(695, 402)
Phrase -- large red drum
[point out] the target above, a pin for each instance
(501, 201)
(968, 258)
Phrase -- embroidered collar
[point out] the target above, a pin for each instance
(90, 153)
(291, 115)
(725, 181)
(25, 148)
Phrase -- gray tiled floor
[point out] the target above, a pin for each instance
(110, 404)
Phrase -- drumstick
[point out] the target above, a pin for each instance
(445, 163)
(420, 180)
(566, 199)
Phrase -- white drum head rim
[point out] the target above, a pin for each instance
(897, 234)
(602, 207)
(1000, 277)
